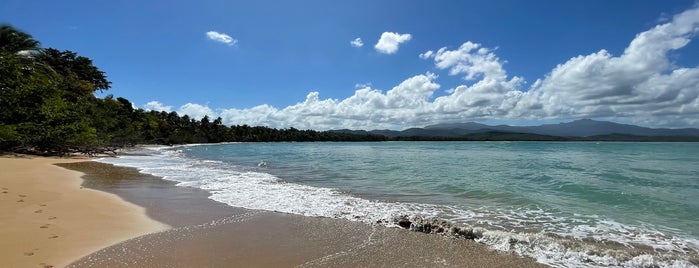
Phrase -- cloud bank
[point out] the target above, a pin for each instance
(221, 37)
(642, 85)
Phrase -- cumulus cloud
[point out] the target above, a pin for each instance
(641, 85)
(428, 54)
(221, 37)
(357, 42)
(470, 59)
(193, 110)
(367, 108)
(157, 106)
(196, 111)
(389, 42)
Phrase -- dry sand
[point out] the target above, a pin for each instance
(48, 220)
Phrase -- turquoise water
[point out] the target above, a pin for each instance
(567, 204)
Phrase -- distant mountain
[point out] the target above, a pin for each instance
(577, 130)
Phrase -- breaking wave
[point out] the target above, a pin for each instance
(571, 241)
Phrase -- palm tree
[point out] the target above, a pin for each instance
(14, 41)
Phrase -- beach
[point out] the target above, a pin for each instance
(125, 222)
(49, 220)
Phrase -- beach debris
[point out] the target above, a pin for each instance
(262, 163)
(433, 226)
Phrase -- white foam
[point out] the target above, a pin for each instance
(503, 230)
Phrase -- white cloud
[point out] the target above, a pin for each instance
(362, 85)
(196, 111)
(389, 42)
(221, 37)
(642, 85)
(428, 54)
(368, 108)
(470, 59)
(157, 106)
(25, 53)
(357, 42)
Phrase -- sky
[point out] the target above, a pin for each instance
(386, 64)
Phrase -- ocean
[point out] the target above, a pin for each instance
(565, 204)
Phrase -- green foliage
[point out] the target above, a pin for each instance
(14, 41)
(49, 107)
(9, 135)
(79, 78)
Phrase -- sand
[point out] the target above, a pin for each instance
(206, 233)
(47, 219)
(107, 216)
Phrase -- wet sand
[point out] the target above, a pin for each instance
(210, 234)
(48, 220)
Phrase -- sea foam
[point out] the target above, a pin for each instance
(579, 241)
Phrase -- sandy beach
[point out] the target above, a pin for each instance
(49, 220)
(206, 233)
(106, 216)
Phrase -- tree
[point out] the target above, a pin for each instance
(14, 41)
(24, 87)
(80, 78)
(49, 106)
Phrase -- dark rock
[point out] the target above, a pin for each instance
(404, 222)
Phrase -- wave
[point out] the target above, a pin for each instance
(560, 241)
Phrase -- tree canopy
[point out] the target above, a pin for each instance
(14, 41)
(49, 107)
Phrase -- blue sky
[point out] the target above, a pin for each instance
(291, 63)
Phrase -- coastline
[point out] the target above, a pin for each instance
(211, 234)
(50, 220)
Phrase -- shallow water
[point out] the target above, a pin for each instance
(565, 204)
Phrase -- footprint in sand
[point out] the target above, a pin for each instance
(28, 253)
(42, 205)
(44, 226)
(44, 265)
(53, 236)
(52, 218)
(23, 195)
(4, 192)
(38, 211)
(21, 200)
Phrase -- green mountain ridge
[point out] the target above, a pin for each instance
(578, 130)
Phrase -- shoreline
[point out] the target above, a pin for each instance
(50, 220)
(212, 234)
